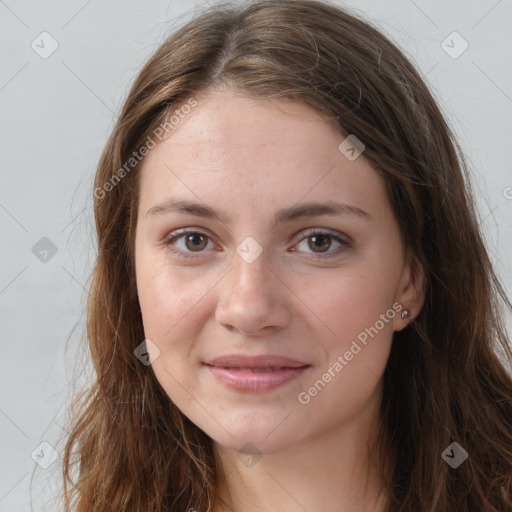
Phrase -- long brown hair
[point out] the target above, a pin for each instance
(446, 380)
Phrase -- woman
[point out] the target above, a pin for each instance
(292, 307)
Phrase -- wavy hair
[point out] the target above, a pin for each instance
(130, 448)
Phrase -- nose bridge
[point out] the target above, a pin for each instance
(251, 276)
(249, 300)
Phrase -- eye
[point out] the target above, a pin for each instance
(319, 242)
(183, 244)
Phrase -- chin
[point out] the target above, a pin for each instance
(254, 442)
(253, 434)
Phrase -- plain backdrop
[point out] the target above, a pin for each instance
(56, 112)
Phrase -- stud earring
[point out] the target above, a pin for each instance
(407, 314)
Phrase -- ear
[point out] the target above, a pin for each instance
(411, 290)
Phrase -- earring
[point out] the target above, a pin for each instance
(407, 314)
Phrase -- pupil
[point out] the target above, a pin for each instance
(320, 242)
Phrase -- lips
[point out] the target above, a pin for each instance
(255, 362)
(255, 373)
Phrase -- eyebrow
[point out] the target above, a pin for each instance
(297, 211)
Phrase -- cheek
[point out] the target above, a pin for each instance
(159, 303)
(173, 311)
(356, 310)
(350, 303)
(168, 305)
(359, 317)
(165, 296)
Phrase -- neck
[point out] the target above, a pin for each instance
(336, 472)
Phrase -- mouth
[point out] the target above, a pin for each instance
(255, 374)
(255, 370)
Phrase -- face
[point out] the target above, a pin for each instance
(270, 273)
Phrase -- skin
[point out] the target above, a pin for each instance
(248, 158)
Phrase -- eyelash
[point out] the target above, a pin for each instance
(168, 242)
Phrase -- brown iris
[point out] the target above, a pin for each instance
(319, 243)
(196, 241)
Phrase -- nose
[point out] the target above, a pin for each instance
(252, 301)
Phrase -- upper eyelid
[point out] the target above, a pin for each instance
(179, 233)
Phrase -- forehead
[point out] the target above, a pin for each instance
(238, 150)
(224, 120)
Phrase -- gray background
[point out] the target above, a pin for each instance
(56, 114)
